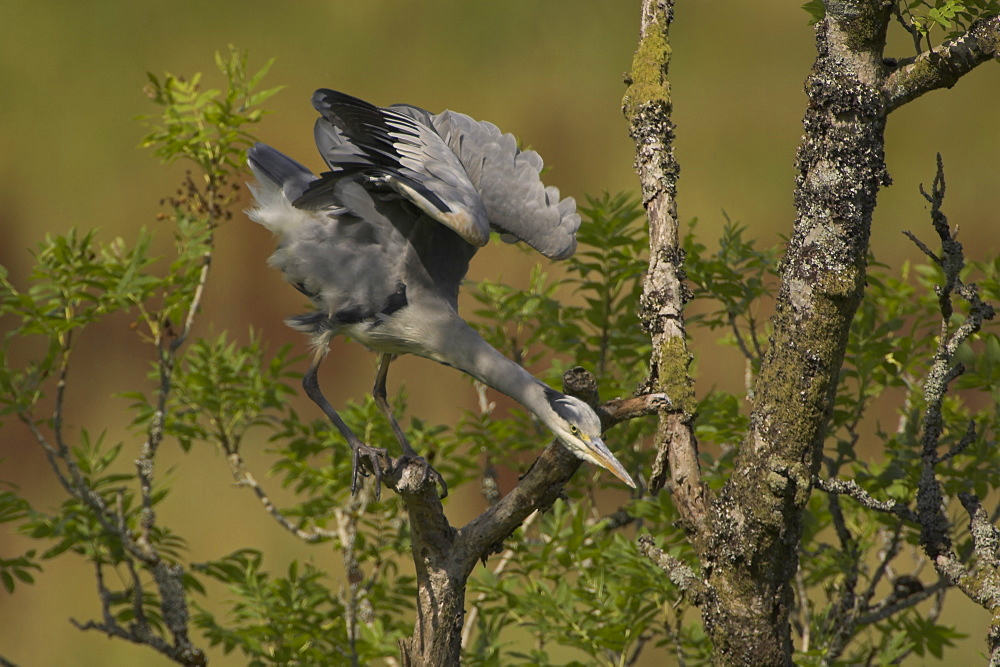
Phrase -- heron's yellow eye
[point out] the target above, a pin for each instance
(574, 429)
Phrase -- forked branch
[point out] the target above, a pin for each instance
(944, 65)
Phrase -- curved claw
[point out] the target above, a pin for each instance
(438, 481)
(373, 456)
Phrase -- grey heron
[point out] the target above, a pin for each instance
(381, 242)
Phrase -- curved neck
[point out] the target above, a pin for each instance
(467, 351)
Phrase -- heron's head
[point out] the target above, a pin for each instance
(579, 428)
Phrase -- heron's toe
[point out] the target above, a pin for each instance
(367, 461)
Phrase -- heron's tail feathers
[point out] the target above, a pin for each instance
(280, 181)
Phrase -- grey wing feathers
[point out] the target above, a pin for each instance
(508, 183)
(408, 156)
(463, 173)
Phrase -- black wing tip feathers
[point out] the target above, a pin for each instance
(325, 98)
(255, 153)
(275, 165)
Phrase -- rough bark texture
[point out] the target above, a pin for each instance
(647, 107)
(756, 523)
(748, 536)
(445, 556)
(979, 579)
(437, 639)
(944, 65)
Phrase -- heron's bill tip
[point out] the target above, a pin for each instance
(604, 458)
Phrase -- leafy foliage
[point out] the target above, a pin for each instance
(571, 586)
(737, 280)
(207, 126)
(220, 391)
(292, 619)
(950, 16)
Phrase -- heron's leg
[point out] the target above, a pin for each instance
(379, 394)
(361, 452)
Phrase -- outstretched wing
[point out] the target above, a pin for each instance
(406, 155)
(507, 180)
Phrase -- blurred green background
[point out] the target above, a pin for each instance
(551, 72)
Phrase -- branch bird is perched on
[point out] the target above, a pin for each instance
(382, 241)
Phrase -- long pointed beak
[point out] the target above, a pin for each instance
(603, 457)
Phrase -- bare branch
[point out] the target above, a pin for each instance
(543, 483)
(962, 445)
(934, 525)
(880, 613)
(648, 108)
(347, 531)
(923, 247)
(540, 487)
(618, 410)
(985, 539)
(210, 207)
(802, 604)
(139, 631)
(944, 65)
(756, 518)
(886, 555)
(618, 519)
(734, 325)
(839, 522)
(686, 579)
(908, 27)
(851, 489)
(245, 478)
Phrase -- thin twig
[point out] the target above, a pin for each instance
(908, 27)
(962, 445)
(347, 530)
(881, 613)
(618, 410)
(802, 600)
(886, 557)
(922, 246)
(679, 572)
(739, 337)
(245, 478)
(850, 488)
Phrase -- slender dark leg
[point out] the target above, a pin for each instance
(362, 453)
(378, 393)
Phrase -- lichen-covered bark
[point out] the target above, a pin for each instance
(647, 107)
(756, 522)
(944, 65)
(748, 536)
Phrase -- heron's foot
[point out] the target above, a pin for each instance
(369, 461)
(429, 473)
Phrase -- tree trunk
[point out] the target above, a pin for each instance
(748, 537)
(441, 578)
(756, 523)
(437, 639)
(444, 556)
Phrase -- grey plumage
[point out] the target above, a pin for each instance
(381, 242)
